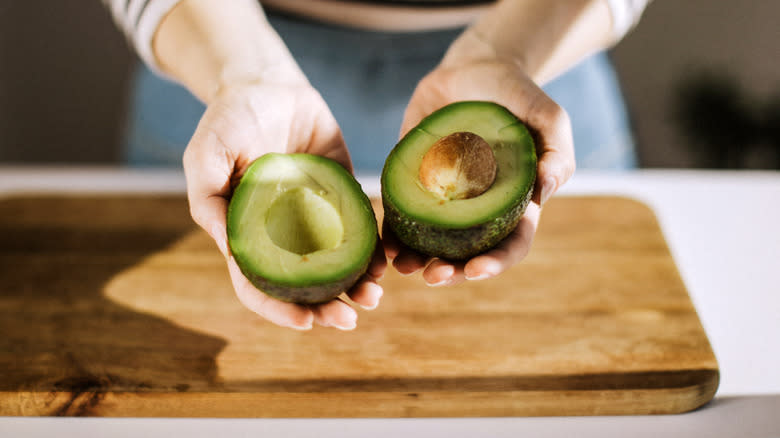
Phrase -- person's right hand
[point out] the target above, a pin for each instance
(471, 71)
(240, 124)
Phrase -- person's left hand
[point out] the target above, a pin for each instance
(243, 122)
(504, 83)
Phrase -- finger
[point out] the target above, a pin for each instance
(443, 273)
(331, 145)
(413, 113)
(378, 264)
(210, 213)
(366, 293)
(412, 117)
(553, 170)
(278, 312)
(458, 278)
(327, 140)
(555, 149)
(207, 170)
(553, 135)
(409, 261)
(404, 259)
(431, 93)
(390, 242)
(509, 251)
(335, 313)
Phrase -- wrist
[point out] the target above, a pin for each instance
(207, 46)
(242, 73)
(539, 37)
(472, 47)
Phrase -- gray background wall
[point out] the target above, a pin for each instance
(680, 39)
(64, 69)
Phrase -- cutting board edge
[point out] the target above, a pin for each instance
(93, 402)
(368, 404)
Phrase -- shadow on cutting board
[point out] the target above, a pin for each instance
(121, 306)
(60, 333)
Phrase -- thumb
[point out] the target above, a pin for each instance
(554, 169)
(207, 172)
(555, 147)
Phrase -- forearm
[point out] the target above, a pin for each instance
(545, 38)
(207, 45)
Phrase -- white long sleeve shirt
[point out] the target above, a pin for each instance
(139, 19)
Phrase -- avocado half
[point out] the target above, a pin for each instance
(458, 229)
(300, 227)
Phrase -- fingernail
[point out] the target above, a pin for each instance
(444, 282)
(376, 271)
(376, 277)
(347, 327)
(302, 328)
(379, 294)
(548, 188)
(488, 270)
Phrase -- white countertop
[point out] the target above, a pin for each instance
(723, 229)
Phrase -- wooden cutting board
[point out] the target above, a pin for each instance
(121, 306)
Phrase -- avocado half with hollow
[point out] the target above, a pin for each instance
(459, 182)
(300, 227)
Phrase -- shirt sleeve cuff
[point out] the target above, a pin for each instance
(149, 19)
(625, 15)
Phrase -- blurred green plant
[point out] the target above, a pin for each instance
(724, 124)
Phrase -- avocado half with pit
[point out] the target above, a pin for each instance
(300, 227)
(459, 182)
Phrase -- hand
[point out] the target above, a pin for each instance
(240, 124)
(505, 83)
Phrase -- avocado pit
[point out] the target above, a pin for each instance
(458, 166)
(423, 212)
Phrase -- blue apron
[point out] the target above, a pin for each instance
(367, 79)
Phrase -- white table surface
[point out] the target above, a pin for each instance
(723, 229)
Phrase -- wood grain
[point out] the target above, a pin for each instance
(121, 306)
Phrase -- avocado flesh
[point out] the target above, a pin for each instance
(460, 229)
(302, 222)
(300, 227)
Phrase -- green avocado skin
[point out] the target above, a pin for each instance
(453, 243)
(313, 294)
